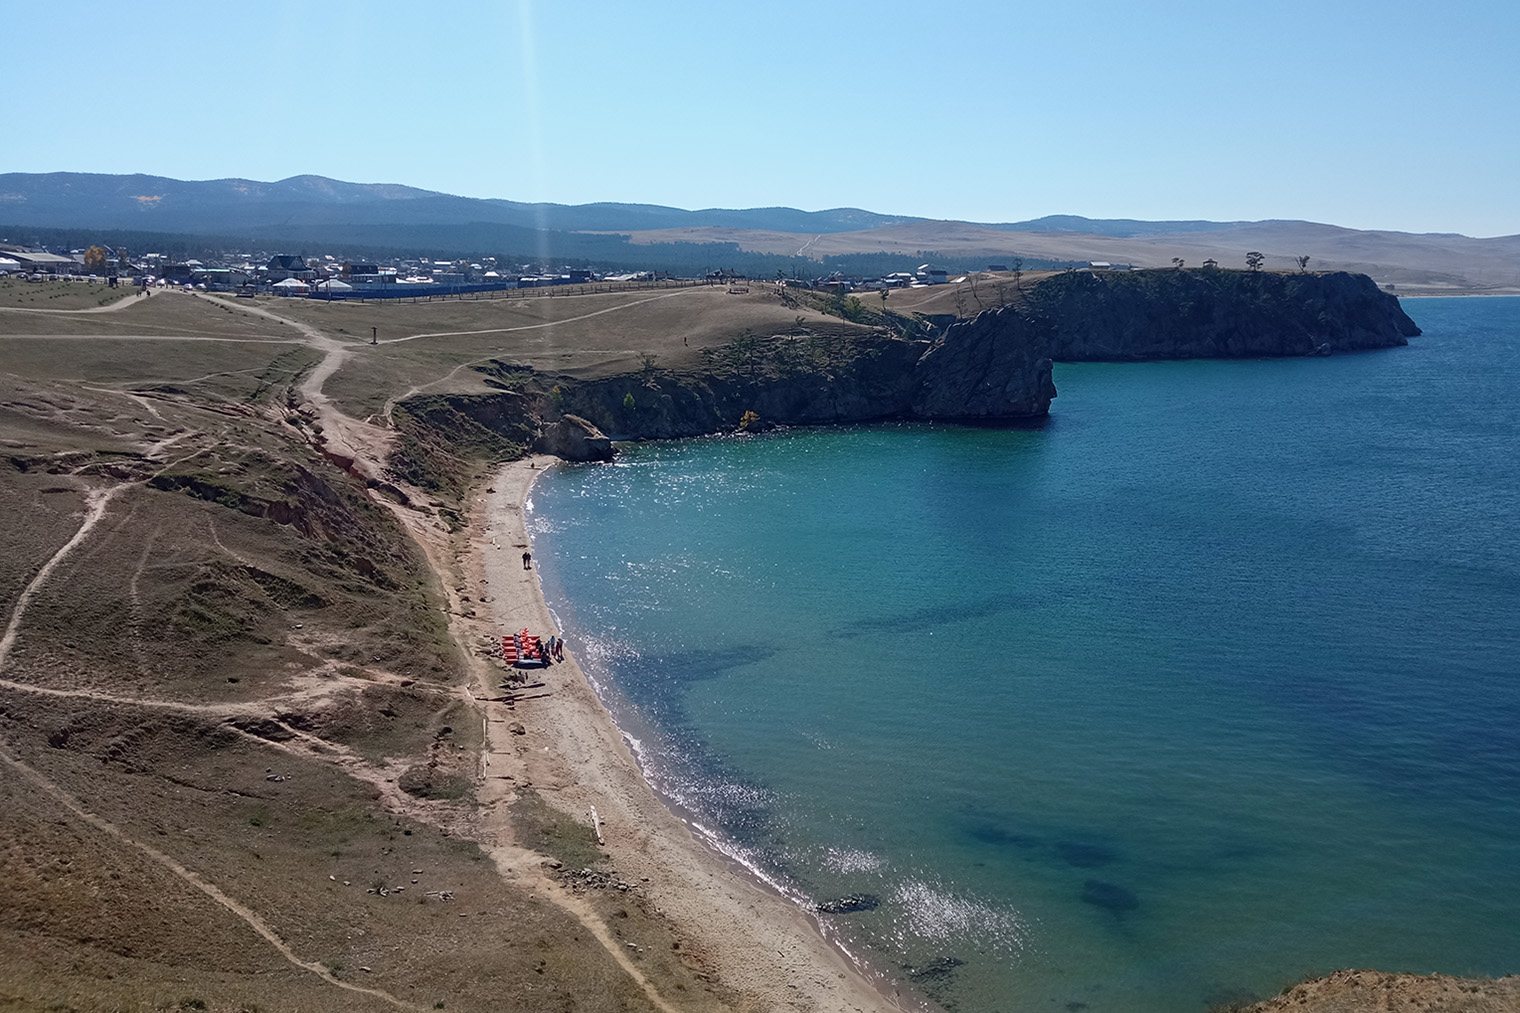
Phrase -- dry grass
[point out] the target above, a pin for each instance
(989, 290)
(431, 347)
(60, 295)
(242, 611)
(163, 313)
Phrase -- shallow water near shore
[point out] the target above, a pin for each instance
(1208, 683)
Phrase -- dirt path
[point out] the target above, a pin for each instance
(548, 323)
(98, 500)
(186, 336)
(193, 878)
(390, 403)
(355, 443)
(367, 444)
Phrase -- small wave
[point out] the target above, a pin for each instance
(851, 860)
(746, 857)
(538, 526)
(734, 804)
(601, 650)
(934, 913)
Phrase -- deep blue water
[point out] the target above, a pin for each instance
(1209, 683)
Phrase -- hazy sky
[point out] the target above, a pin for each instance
(1396, 115)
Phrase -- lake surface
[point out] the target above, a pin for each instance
(1208, 683)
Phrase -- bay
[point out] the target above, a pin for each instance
(1205, 684)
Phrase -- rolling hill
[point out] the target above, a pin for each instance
(314, 210)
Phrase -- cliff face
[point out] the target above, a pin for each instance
(1193, 314)
(977, 371)
(990, 368)
(993, 369)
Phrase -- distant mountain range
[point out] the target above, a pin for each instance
(316, 210)
(161, 204)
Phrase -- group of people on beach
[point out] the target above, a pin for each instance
(552, 649)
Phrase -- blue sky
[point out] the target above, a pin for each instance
(1395, 115)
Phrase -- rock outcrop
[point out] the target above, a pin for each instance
(992, 368)
(573, 438)
(1379, 992)
(785, 379)
(986, 370)
(1212, 314)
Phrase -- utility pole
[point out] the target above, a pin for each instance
(374, 335)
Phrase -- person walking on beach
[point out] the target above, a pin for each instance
(527, 560)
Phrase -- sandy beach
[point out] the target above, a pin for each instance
(763, 951)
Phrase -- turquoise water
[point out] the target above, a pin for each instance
(1210, 682)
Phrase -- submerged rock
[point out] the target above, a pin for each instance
(938, 968)
(850, 905)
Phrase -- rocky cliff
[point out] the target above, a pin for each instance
(1209, 313)
(975, 371)
(993, 369)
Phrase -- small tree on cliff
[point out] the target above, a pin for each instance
(746, 351)
(1177, 262)
(1018, 273)
(647, 362)
(1253, 260)
(1303, 264)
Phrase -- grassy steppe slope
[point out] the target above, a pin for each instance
(232, 713)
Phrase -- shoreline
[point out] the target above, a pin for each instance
(1457, 295)
(763, 947)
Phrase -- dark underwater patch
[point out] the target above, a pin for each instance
(935, 616)
(991, 833)
(1086, 854)
(1109, 896)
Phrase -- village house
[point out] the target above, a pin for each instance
(43, 263)
(284, 266)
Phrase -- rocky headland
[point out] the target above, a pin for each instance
(1129, 316)
(991, 369)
